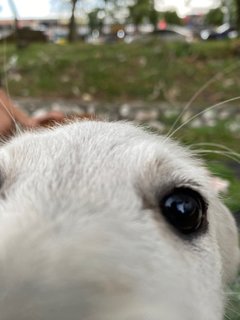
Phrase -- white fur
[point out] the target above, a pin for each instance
(82, 236)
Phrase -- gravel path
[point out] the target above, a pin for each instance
(154, 114)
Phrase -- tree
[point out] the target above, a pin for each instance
(153, 17)
(72, 22)
(237, 5)
(66, 6)
(94, 20)
(214, 17)
(171, 17)
(142, 10)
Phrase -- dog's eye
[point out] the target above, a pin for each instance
(185, 209)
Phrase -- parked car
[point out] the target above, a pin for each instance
(26, 35)
(174, 33)
(96, 38)
(225, 31)
(170, 33)
(58, 36)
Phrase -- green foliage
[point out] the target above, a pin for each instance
(153, 17)
(171, 17)
(214, 17)
(94, 22)
(143, 10)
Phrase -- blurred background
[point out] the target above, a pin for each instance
(170, 65)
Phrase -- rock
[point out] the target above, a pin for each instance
(124, 110)
(86, 97)
(157, 125)
(144, 116)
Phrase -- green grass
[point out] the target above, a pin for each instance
(233, 307)
(172, 71)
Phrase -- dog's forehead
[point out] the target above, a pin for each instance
(115, 150)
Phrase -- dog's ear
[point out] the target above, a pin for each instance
(219, 185)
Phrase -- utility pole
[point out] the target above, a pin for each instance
(15, 16)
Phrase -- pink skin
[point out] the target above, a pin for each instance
(9, 114)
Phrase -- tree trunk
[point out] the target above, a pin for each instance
(237, 2)
(72, 23)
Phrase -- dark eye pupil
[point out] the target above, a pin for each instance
(184, 209)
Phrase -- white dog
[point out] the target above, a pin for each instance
(103, 221)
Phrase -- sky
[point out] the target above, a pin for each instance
(26, 8)
(195, 6)
(42, 8)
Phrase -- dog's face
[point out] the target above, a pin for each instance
(103, 221)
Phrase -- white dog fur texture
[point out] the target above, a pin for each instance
(82, 236)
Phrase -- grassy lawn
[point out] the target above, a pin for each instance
(151, 71)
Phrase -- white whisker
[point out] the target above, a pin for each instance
(216, 145)
(17, 127)
(5, 67)
(232, 310)
(232, 293)
(225, 153)
(227, 317)
(5, 80)
(219, 104)
(205, 86)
